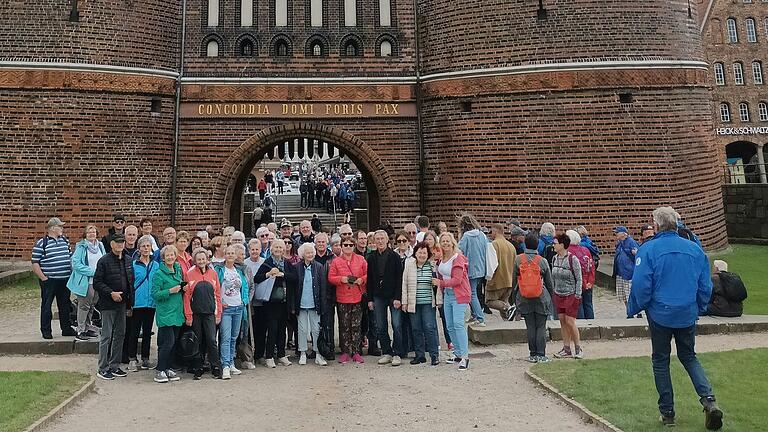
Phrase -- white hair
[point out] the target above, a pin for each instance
(144, 239)
(304, 248)
(666, 218)
(203, 234)
(574, 237)
(720, 265)
(262, 230)
(547, 229)
(335, 239)
(239, 235)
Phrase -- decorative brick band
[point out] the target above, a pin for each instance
(102, 81)
(234, 91)
(564, 80)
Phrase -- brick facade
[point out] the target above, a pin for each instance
(599, 143)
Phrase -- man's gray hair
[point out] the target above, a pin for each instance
(203, 234)
(548, 229)
(666, 218)
(382, 232)
(321, 234)
(335, 239)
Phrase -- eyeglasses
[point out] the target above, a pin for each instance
(119, 221)
(346, 234)
(263, 235)
(411, 232)
(402, 241)
(348, 245)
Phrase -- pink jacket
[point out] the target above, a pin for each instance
(459, 280)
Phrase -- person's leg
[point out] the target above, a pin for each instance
(282, 322)
(313, 319)
(399, 337)
(685, 341)
(132, 333)
(530, 330)
(118, 338)
(661, 338)
(148, 319)
(429, 324)
(356, 317)
(47, 294)
(540, 339)
(417, 326)
(225, 332)
(83, 312)
(259, 331)
(345, 328)
(448, 303)
(460, 330)
(270, 316)
(165, 341)
(380, 306)
(237, 318)
(574, 329)
(64, 305)
(446, 333)
(303, 324)
(107, 324)
(497, 300)
(476, 309)
(129, 322)
(210, 342)
(91, 298)
(586, 304)
(197, 327)
(565, 331)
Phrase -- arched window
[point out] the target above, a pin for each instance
(212, 49)
(385, 13)
(386, 48)
(281, 49)
(350, 49)
(757, 72)
(751, 30)
(725, 113)
(738, 74)
(744, 112)
(213, 13)
(317, 50)
(719, 74)
(246, 48)
(350, 13)
(733, 36)
(762, 111)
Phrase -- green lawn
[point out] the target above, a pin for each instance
(751, 263)
(20, 296)
(622, 390)
(27, 396)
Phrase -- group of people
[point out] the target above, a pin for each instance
(251, 300)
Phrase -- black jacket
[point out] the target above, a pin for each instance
(113, 274)
(289, 279)
(107, 239)
(319, 286)
(386, 282)
(728, 295)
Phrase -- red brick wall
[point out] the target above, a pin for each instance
(116, 32)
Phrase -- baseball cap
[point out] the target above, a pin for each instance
(286, 223)
(54, 221)
(118, 217)
(118, 238)
(517, 231)
(646, 228)
(621, 229)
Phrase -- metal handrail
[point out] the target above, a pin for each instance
(752, 173)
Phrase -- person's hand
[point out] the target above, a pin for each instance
(44, 278)
(589, 286)
(396, 304)
(578, 297)
(129, 312)
(273, 272)
(280, 274)
(370, 305)
(359, 281)
(175, 289)
(436, 282)
(187, 288)
(188, 323)
(634, 251)
(404, 307)
(218, 320)
(351, 279)
(117, 296)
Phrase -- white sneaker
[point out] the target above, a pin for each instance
(225, 373)
(284, 361)
(478, 324)
(320, 361)
(133, 366)
(385, 359)
(303, 358)
(396, 361)
(469, 320)
(270, 363)
(249, 365)
(235, 371)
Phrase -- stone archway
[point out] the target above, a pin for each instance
(239, 164)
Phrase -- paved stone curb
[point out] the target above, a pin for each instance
(581, 409)
(62, 407)
(59, 347)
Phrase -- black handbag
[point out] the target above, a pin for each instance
(325, 342)
(189, 345)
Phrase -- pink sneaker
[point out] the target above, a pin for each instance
(344, 358)
(357, 358)
(450, 346)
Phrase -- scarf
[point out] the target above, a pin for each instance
(93, 247)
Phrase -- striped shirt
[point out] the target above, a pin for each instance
(54, 259)
(424, 284)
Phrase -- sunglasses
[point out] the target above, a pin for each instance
(119, 221)
(348, 245)
(346, 234)
(402, 241)
(411, 232)
(264, 235)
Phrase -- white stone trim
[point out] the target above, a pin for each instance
(87, 67)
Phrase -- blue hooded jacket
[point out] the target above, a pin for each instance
(143, 283)
(587, 243)
(474, 246)
(624, 261)
(672, 282)
(544, 241)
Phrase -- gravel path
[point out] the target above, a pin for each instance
(493, 395)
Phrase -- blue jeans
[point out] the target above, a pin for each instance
(454, 318)
(424, 326)
(229, 329)
(475, 306)
(394, 346)
(685, 338)
(586, 310)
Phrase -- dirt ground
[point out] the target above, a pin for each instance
(493, 395)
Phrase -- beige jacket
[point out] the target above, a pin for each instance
(505, 253)
(409, 287)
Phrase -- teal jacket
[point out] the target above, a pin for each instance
(169, 308)
(244, 294)
(78, 280)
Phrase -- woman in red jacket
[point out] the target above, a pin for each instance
(349, 274)
(452, 279)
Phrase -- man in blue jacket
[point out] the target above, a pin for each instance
(671, 282)
(623, 263)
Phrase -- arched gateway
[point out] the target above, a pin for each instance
(232, 179)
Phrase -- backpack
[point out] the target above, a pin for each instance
(188, 345)
(687, 234)
(587, 264)
(529, 280)
(733, 288)
(549, 254)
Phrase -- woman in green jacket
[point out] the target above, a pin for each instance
(169, 313)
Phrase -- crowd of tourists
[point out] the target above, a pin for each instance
(217, 297)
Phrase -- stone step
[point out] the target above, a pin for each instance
(10, 276)
(609, 329)
(63, 346)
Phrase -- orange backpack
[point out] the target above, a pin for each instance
(529, 280)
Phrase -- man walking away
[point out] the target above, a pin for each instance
(671, 282)
(499, 288)
(51, 264)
